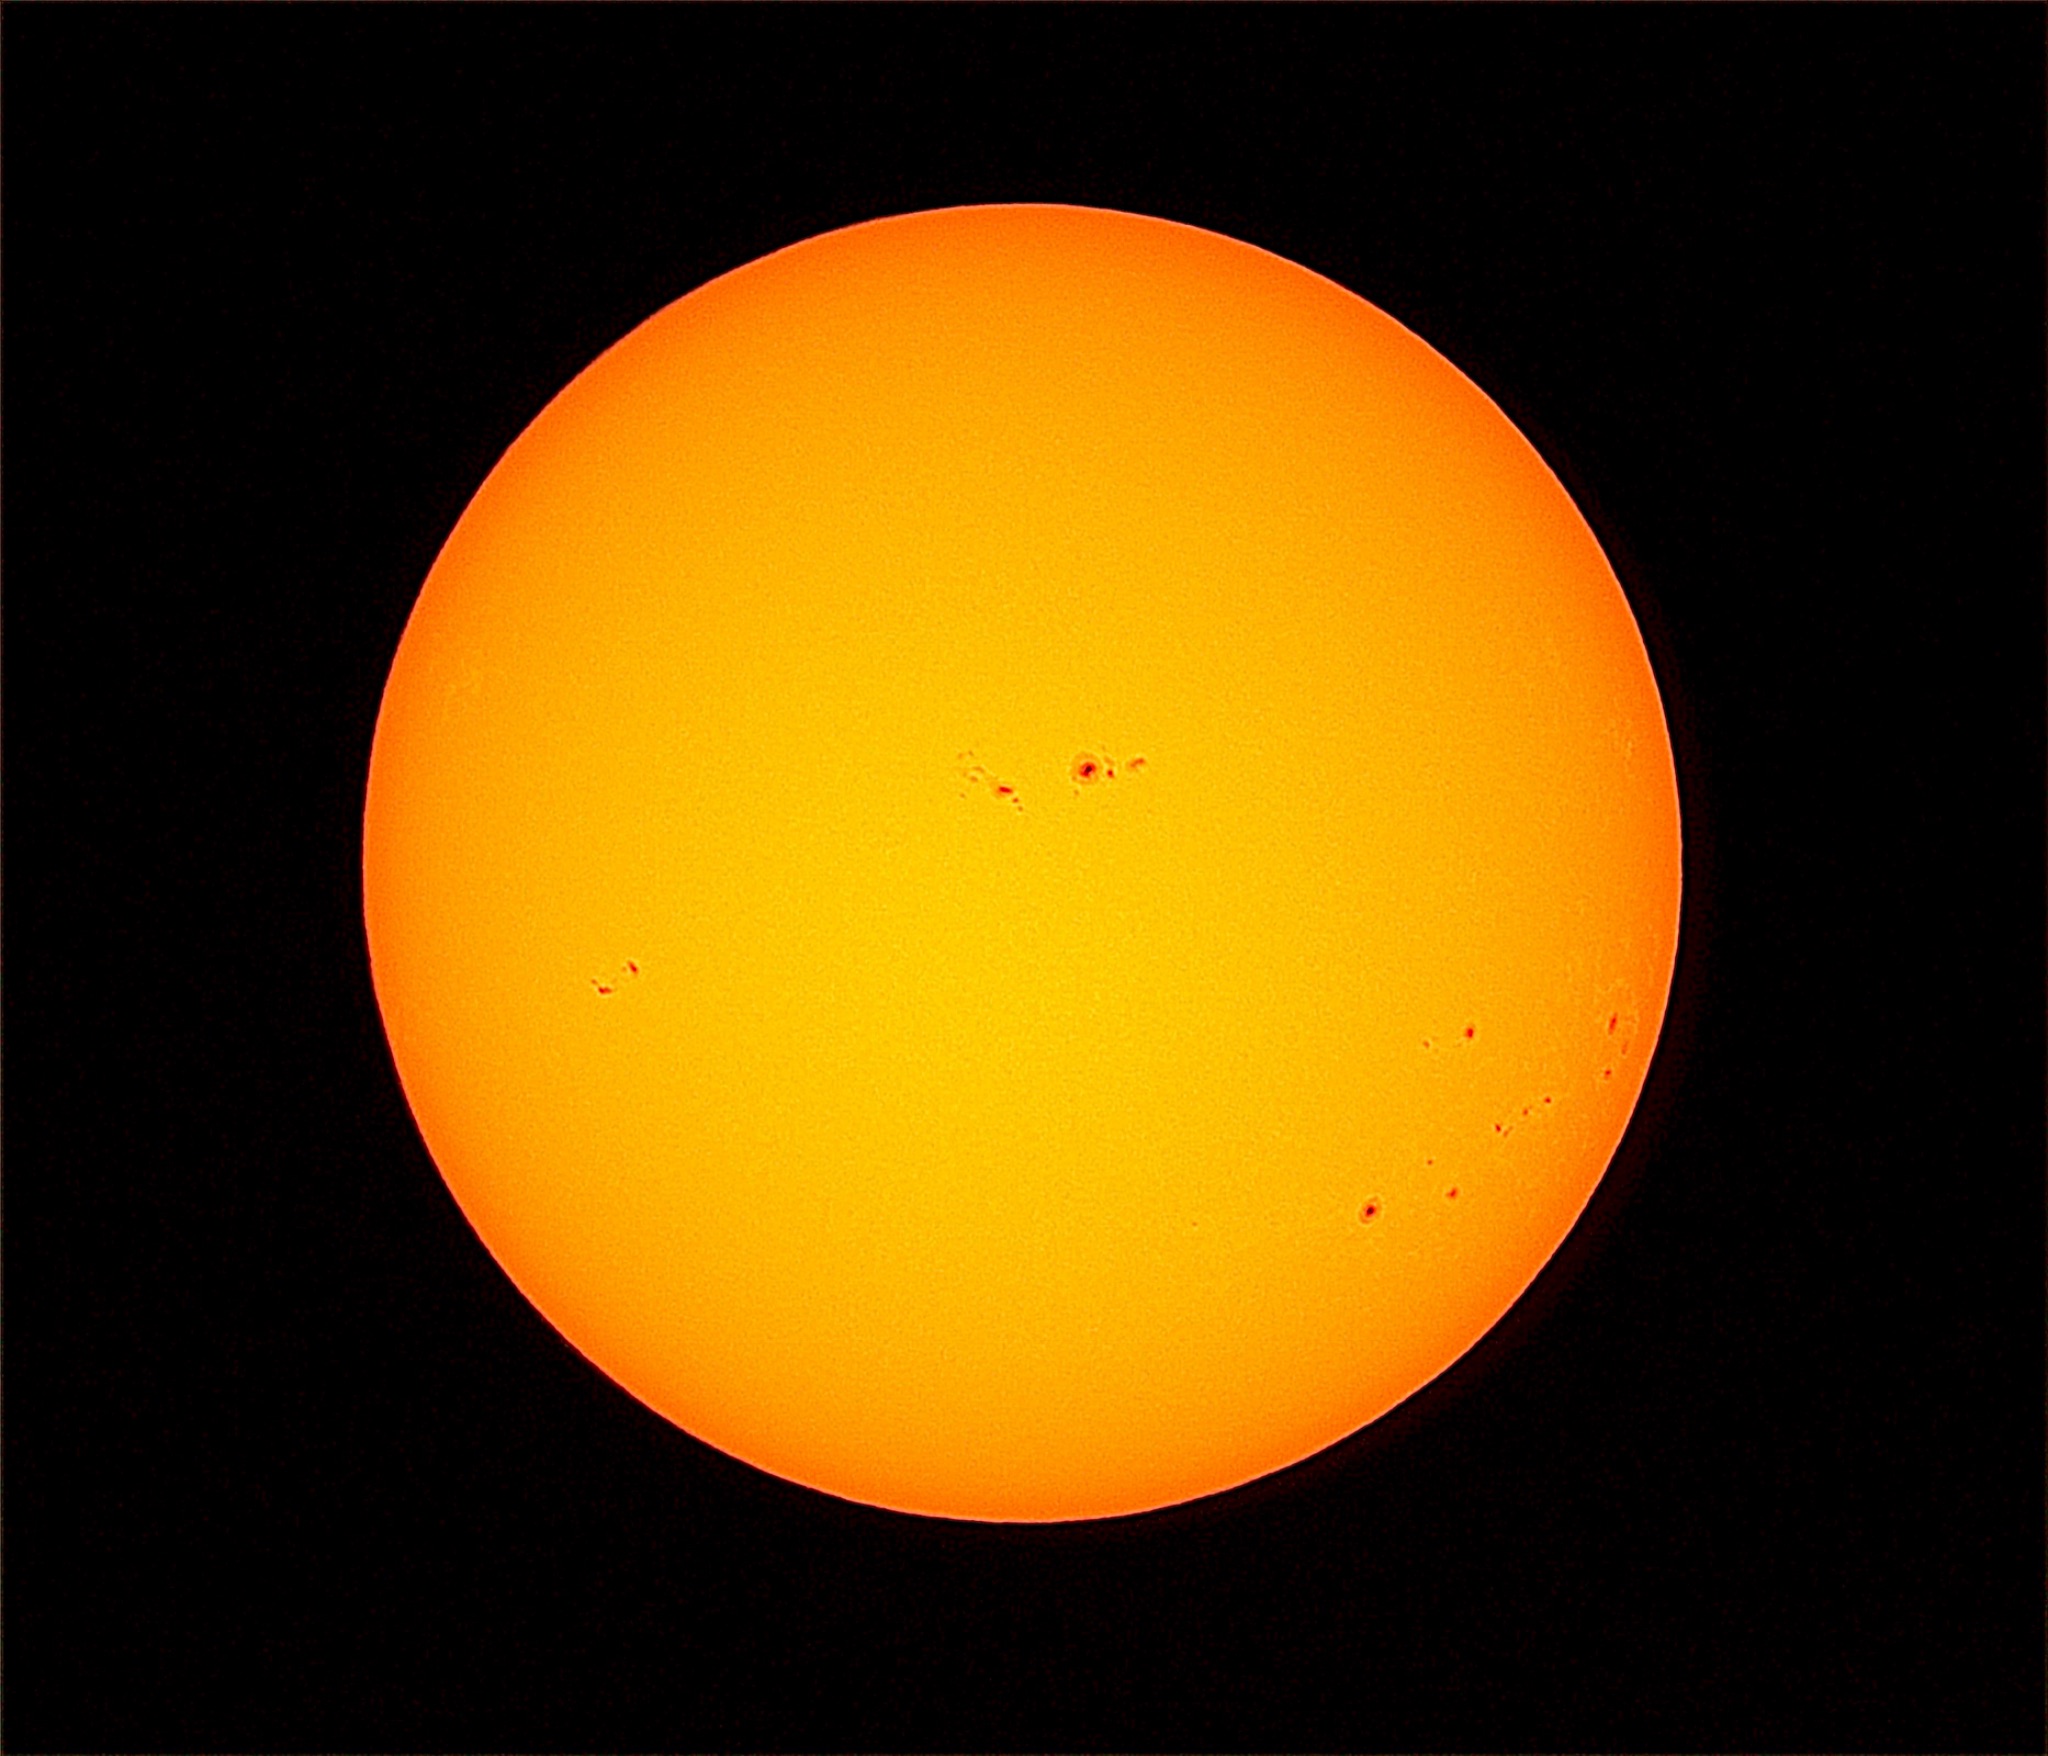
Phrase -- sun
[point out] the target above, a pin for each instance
(1021, 863)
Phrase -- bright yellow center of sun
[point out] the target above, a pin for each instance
(1021, 863)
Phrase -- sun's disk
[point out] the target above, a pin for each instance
(1022, 863)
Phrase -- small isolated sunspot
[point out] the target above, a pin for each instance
(1215, 766)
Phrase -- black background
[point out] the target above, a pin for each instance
(1758, 1464)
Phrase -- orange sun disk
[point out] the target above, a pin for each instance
(1021, 863)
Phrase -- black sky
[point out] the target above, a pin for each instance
(1758, 1464)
